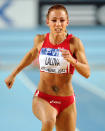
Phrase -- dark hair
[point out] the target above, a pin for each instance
(57, 7)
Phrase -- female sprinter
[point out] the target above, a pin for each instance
(59, 53)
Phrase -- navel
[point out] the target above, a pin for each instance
(55, 88)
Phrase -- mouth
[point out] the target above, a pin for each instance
(58, 30)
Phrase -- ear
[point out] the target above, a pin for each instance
(67, 22)
(47, 21)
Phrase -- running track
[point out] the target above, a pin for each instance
(16, 104)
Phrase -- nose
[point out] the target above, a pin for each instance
(58, 23)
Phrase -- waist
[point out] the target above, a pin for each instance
(55, 85)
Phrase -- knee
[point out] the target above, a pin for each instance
(48, 124)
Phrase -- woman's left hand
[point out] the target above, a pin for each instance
(67, 56)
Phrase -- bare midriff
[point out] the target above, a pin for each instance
(56, 84)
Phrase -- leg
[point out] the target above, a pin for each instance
(44, 112)
(66, 121)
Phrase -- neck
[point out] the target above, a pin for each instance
(57, 38)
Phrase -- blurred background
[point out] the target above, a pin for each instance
(20, 21)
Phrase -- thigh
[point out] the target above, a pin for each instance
(66, 121)
(43, 110)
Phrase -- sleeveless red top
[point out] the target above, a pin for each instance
(51, 59)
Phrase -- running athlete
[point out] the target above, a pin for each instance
(59, 54)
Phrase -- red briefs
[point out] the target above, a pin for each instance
(58, 102)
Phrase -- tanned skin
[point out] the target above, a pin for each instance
(55, 84)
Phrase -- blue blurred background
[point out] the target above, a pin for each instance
(20, 21)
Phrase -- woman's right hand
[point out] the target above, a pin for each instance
(9, 81)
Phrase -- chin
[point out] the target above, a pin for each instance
(58, 33)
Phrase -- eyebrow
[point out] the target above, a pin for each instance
(56, 18)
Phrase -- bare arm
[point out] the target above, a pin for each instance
(27, 60)
(81, 64)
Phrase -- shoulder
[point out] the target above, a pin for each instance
(76, 42)
(38, 40)
(74, 39)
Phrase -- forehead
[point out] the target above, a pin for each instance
(58, 14)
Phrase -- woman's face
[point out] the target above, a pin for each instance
(57, 21)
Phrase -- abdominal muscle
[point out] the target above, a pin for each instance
(56, 84)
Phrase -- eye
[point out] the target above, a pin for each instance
(53, 20)
(62, 20)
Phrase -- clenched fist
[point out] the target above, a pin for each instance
(9, 81)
